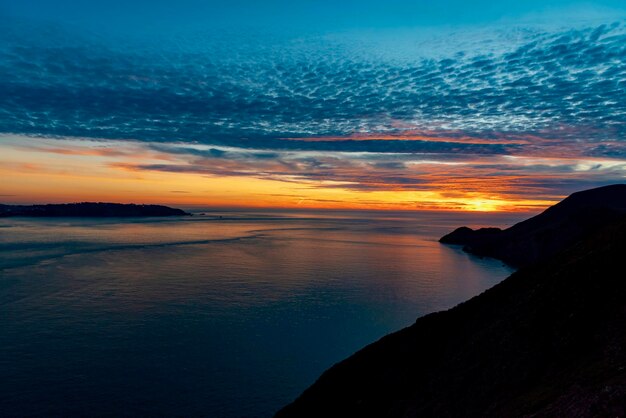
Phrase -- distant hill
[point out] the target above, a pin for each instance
(544, 235)
(90, 210)
(549, 341)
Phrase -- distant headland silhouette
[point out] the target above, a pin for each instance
(89, 210)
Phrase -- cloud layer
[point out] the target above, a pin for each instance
(567, 84)
(531, 108)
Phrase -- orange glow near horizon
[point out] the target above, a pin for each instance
(58, 170)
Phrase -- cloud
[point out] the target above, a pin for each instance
(506, 176)
(564, 85)
(507, 112)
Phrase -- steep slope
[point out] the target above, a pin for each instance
(548, 341)
(546, 234)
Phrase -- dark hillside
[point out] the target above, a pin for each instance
(548, 341)
(544, 235)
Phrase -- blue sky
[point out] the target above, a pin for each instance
(299, 91)
(325, 15)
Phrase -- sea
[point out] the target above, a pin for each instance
(220, 314)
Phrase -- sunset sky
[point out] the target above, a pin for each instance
(493, 106)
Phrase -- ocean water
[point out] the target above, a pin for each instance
(227, 314)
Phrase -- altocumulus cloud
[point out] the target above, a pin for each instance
(566, 84)
(335, 108)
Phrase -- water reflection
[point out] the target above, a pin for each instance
(210, 316)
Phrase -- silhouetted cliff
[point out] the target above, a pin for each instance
(88, 209)
(546, 234)
(548, 341)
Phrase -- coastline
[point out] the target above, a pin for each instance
(546, 341)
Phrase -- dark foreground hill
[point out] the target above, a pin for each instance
(546, 234)
(548, 341)
(88, 209)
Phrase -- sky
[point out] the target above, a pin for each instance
(404, 105)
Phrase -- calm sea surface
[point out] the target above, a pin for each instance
(227, 314)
